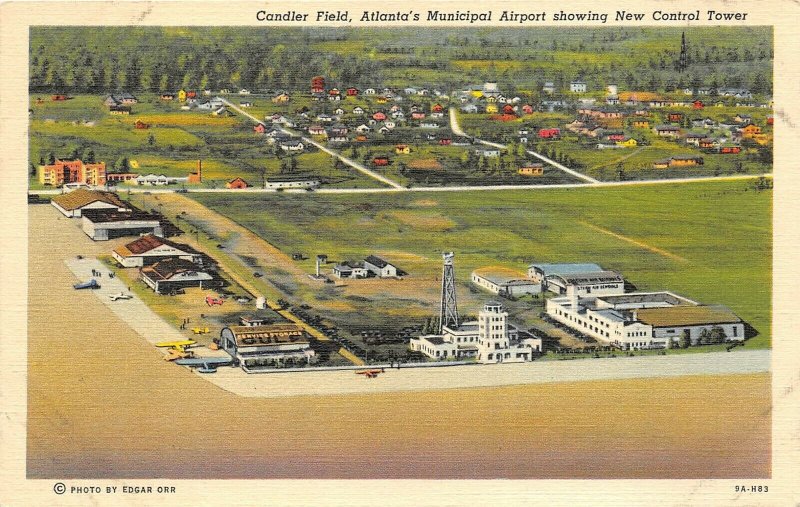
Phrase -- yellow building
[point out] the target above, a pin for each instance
(491, 108)
(628, 143)
(182, 95)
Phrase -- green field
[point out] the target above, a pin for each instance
(717, 238)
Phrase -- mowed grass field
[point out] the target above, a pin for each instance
(708, 241)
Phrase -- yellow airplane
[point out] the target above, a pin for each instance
(200, 330)
(178, 354)
(177, 346)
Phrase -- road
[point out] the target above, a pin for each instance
(457, 131)
(352, 163)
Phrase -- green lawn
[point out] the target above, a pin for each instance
(719, 235)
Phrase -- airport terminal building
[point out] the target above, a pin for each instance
(645, 320)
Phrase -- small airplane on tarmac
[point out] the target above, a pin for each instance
(370, 373)
(211, 301)
(121, 295)
(177, 346)
(91, 284)
(204, 364)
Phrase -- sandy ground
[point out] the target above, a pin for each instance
(102, 403)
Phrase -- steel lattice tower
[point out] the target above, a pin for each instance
(682, 62)
(448, 313)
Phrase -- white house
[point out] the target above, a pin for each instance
(577, 87)
(505, 283)
(348, 269)
(380, 267)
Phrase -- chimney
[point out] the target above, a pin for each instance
(199, 170)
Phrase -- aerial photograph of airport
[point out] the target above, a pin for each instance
(340, 253)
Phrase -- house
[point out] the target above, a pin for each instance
(167, 96)
(508, 109)
(417, 115)
(750, 131)
(693, 138)
(150, 249)
(577, 87)
(708, 143)
(338, 111)
(72, 204)
(527, 109)
(380, 160)
(104, 224)
(349, 269)
(379, 116)
(551, 133)
(667, 131)
(352, 92)
(120, 99)
(363, 129)
(267, 346)
(489, 153)
(743, 119)
(339, 129)
(698, 104)
(325, 118)
(369, 91)
(424, 164)
(380, 267)
(628, 142)
(541, 272)
(549, 88)
(260, 128)
(334, 95)
(317, 84)
(429, 125)
(445, 141)
(292, 145)
(191, 95)
(678, 161)
(140, 125)
(58, 98)
(675, 117)
(244, 91)
(245, 104)
(492, 108)
(119, 110)
(402, 149)
(437, 108)
(730, 149)
(292, 182)
(358, 110)
(470, 108)
(171, 275)
(316, 130)
(640, 123)
(614, 136)
(531, 169)
(706, 123)
(182, 95)
(114, 178)
(72, 171)
(237, 183)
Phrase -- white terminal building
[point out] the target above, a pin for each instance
(644, 320)
(490, 339)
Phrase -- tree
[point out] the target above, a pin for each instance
(122, 165)
(685, 339)
(88, 156)
(717, 335)
(151, 140)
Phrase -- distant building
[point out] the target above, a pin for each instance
(349, 269)
(150, 249)
(577, 87)
(105, 224)
(268, 345)
(286, 182)
(237, 183)
(644, 320)
(490, 339)
(505, 282)
(380, 267)
(175, 274)
(72, 171)
(73, 204)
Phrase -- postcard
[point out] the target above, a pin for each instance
(322, 253)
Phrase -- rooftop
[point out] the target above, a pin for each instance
(83, 197)
(686, 316)
(566, 269)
